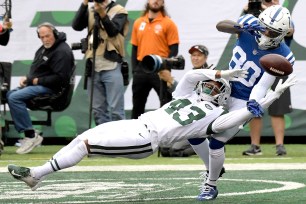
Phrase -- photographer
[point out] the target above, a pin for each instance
(111, 21)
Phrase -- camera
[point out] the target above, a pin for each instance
(82, 45)
(254, 7)
(155, 63)
(98, 1)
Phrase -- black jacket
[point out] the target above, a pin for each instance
(53, 66)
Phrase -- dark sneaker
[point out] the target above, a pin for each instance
(280, 150)
(254, 150)
(208, 193)
(24, 174)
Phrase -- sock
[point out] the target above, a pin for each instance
(202, 150)
(216, 161)
(66, 148)
(29, 133)
(69, 159)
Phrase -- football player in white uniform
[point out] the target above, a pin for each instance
(256, 38)
(192, 113)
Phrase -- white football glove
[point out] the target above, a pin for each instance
(281, 87)
(234, 74)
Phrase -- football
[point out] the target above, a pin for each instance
(276, 65)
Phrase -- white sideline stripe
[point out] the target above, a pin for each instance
(254, 166)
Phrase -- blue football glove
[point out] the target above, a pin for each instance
(255, 108)
(251, 28)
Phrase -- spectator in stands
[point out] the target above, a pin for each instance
(50, 71)
(153, 33)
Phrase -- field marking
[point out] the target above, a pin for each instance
(55, 189)
(236, 167)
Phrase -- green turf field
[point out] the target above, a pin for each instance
(111, 180)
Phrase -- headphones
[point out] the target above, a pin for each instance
(49, 25)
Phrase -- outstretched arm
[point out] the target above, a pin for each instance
(240, 116)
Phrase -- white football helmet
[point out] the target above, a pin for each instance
(276, 20)
(217, 94)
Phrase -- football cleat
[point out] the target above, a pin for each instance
(204, 175)
(24, 174)
(208, 193)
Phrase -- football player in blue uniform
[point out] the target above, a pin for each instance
(256, 37)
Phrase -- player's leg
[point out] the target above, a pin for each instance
(278, 125)
(131, 140)
(201, 148)
(216, 161)
(216, 157)
(32, 177)
(255, 133)
(277, 111)
(67, 148)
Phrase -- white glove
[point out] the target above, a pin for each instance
(234, 74)
(281, 87)
(271, 96)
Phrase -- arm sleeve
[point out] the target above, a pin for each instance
(134, 58)
(227, 26)
(4, 37)
(173, 50)
(115, 26)
(80, 20)
(241, 116)
(261, 88)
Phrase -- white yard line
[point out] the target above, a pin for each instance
(254, 166)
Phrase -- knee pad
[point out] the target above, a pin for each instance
(196, 141)
(216, 144)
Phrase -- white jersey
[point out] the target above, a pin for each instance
(181, 119)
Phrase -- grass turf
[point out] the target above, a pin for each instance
(295, 154)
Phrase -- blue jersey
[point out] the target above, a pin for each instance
(246, 55)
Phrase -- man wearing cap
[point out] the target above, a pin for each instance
(198, 56)
(154, 32)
